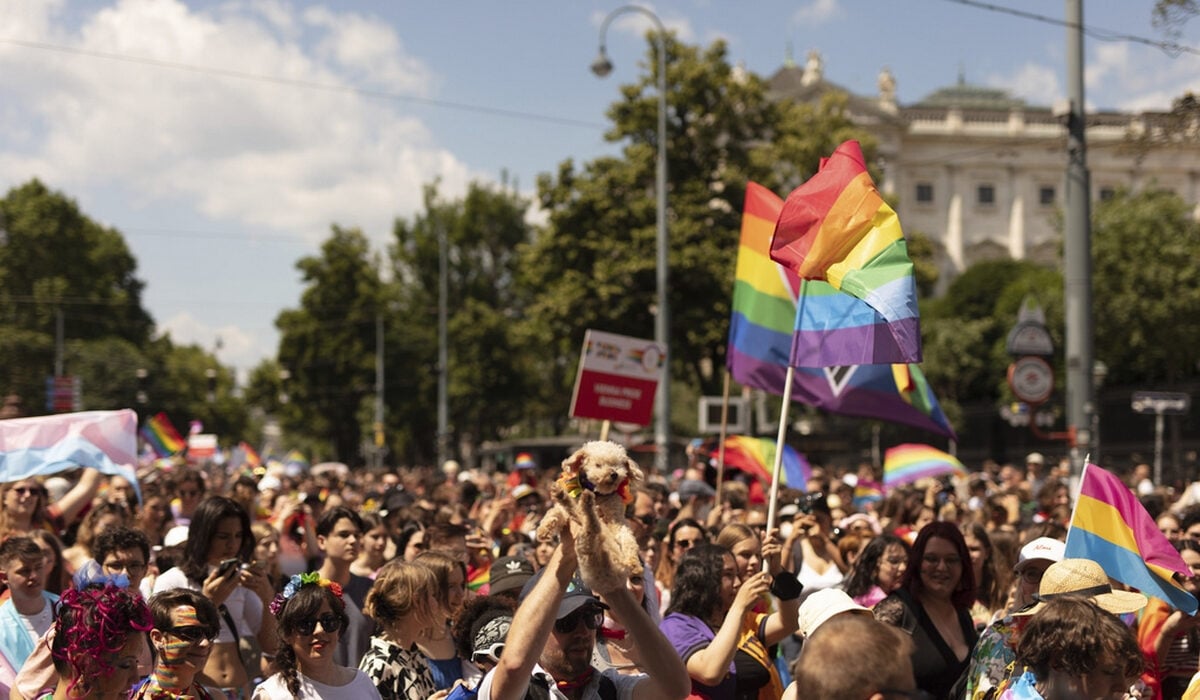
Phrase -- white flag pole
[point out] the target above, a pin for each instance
(772, 505)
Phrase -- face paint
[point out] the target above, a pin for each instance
(177, 649)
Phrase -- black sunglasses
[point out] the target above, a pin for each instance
(194, 634)
(592, 617)
(329, 622)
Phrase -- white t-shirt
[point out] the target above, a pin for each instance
(360, 688)
(37, 623)
(624, 683)
(244, 606)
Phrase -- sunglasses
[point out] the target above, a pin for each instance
(330, 623)
(647, 520)
(491, 654)
(686, 544)
(193, 634)
(28, 491)
(591, 617)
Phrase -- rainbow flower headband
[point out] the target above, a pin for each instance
(299, 581)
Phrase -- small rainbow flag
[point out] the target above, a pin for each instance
(250, 455)
(904, 464)
(162, 436)
(756, 456)
(858, 304)
(478, 578)
(1112, 528)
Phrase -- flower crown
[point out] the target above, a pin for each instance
(299, 581)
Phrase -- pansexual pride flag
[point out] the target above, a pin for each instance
(105, 440)
(756, 457)
(162, 436)
(1110, 527)
(760, 338)
(839, 235)
(904, 464)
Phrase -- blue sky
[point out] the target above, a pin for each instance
(223, 138)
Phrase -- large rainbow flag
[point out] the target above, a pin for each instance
(162, 437)
(765, 297)
(904, 464)
(859, 305)
(756, 457)
(1112, 528)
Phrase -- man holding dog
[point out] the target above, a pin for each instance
(548, 651)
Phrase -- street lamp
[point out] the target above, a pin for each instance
(602, 67)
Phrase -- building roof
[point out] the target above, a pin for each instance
(966, 96)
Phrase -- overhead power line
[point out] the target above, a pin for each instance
(1171, 48)
(307, 84)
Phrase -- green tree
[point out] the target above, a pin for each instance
(490, 369)
(594, 264)
(328, 344)
(1146, 287)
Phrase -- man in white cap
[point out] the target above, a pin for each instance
(993, 652)
(1035, 471)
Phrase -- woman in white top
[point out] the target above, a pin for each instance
(220, 531)
(311, 614)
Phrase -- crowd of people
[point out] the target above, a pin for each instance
(424, 584)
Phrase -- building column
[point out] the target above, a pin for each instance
(1016, 217)
(954, 220)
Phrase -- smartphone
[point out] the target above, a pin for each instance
(228, 566)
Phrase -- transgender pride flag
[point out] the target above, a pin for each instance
(105, 440)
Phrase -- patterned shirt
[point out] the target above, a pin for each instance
(398, 673)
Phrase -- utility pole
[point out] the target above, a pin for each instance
(1077, 250)
(379, 441)
(443, 411)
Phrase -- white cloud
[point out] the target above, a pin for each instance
(637, 24)
(816, 12)
(239, 348)
(242, 149)
(1138, 79)
(1037, 84)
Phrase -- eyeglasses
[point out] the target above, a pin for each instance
(28, 491)
(591, 617)
(932, 561)
(130, 567)
(491, 654)
(330, 623)
(194, 634)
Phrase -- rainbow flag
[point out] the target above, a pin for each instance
(250, 455)
(904, 464)
(859, 304)
(478, 578)
(43, 445)
(756, 457)
(765, 297)
(162, 436)
(1112, 528)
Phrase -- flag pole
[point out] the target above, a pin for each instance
(772, 505)
(605, 425)
(721, 444)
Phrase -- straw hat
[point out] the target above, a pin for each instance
(1084, 578)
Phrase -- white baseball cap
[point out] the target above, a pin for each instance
(1046, 548)
(822, 605)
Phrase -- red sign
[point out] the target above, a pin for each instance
(618, 377)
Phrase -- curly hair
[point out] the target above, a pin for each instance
(118, 538)
(93, 624)
(865, 572)
(305, 604)
(474, 616)
(694, 592)
(401, 589)
(1074, 635)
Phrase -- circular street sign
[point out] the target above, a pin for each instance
(1031, 379)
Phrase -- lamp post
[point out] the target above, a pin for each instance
(602, 67)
